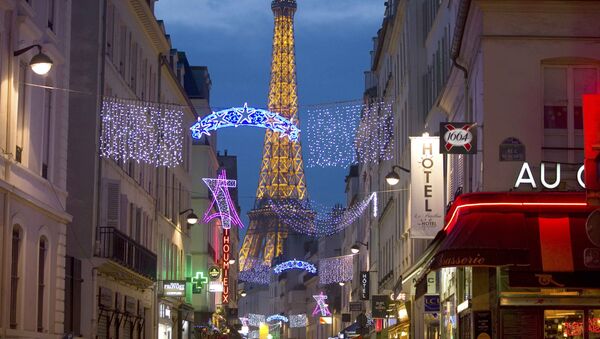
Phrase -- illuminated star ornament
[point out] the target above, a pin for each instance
(220, 191)
(277, 317)
(295, 264)
(321, 305)
(245, 116)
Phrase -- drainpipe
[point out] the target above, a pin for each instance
(459, 31)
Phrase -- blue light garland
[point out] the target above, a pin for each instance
(277, 317)
(246, 116)
(295, 264)
(258, 273)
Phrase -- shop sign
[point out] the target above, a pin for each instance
(226, 252)
(458, 138)
(379, 306)
(214, 272)
(364, 285)
(582, 279)
(356, 306)
(427, 187)
(482, 324)
(197, 282)
(130, 305)
(526, 177)
(106, 297)
(215, 286)
(173, 288)
(432, 303)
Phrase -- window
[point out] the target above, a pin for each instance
(563, 114)
(14, 276)
(43, 247)
(21, 112)
(46, 136)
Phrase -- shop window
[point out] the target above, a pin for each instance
(594, 324)
(563, 324)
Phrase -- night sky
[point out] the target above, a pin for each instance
(233, 38)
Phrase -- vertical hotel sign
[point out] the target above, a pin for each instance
(226, 253)
(427, 187)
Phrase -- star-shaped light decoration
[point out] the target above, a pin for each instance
(245, 116)
(220, 191)
(321, 305)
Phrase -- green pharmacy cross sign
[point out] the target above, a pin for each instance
(197, 282)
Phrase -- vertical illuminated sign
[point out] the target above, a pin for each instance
(427, 187)
(364, 285)
(226, 253)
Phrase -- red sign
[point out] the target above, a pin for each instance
(226, 252)
(591, 139)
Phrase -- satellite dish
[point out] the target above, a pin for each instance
(592, 227)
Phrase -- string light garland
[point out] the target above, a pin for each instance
(246, 116)
(341, 134)
(307, 217)
(336, 269)
(220, 192)
(298, 320)
(295, 264)
(258, 273)
(277, 317)
(150, 133)
(256, 319)
(321, 306)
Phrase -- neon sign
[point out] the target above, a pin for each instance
(197, 281)
(220, 191)
(226, 251)
(321, 307)
(295, 264)
(246, 116)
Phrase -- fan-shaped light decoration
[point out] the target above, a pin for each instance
(298, 320)
(220, 192)
(321, 306)
(336, 269)
(258, 273)
(295, 264)
(277, 317)
(140, 131)
(256, 319)
(340, 134)
(299, 215)
(245, 116)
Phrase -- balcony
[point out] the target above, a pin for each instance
(120, 248)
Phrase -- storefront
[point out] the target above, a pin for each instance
(519, 265)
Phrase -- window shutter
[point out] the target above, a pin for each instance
(111, 203)
(124, 213)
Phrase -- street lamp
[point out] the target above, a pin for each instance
(342, 283)
(191, 218)
(40, 63)
(243, 293)
(231, 261)
(356, 247)
(393, 178)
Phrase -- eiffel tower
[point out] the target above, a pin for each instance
(282, 170)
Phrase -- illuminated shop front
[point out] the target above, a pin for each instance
(512, 264)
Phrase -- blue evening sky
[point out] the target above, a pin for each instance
(233, 38)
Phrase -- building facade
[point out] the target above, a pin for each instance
(126, 252)
(33, 142)
(517, 70)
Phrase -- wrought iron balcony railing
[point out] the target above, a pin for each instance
(115, 245)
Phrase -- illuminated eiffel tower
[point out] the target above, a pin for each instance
(282, 169)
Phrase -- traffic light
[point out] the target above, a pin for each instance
(591, 139)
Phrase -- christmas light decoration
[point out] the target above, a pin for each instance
(277, 317)
(298, 320)
(307, 217)
(256, 319)
(244, 321)
(295, 264)
(321, 306)
(150, 133)
(257, 272)
(338, 135)
(220, 192)
(246, 116)
(336, 269)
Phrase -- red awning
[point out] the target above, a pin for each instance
(544, 232)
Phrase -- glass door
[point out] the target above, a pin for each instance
(563, 324)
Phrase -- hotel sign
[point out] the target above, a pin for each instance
(364, 285)
(427, 187)
(173, 288)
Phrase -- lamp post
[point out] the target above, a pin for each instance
(40, 63)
